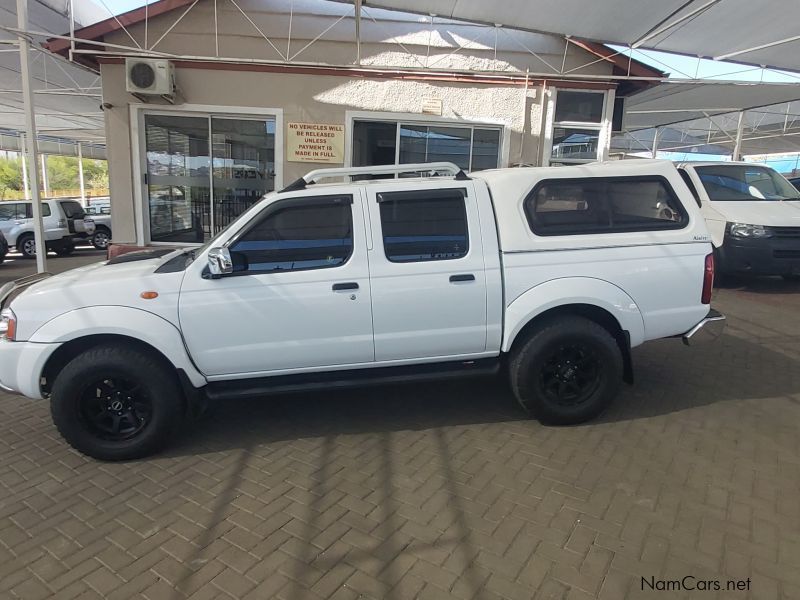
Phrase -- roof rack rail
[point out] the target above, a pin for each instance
(317, 174)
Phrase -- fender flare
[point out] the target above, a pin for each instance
(125, 321)
(573, 290)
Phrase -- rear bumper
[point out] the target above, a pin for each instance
(707, 330)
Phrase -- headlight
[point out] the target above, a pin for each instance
(8, 325)
(743, 230)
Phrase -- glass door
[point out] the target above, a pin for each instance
(204, 171)
(243, 153)
(178, 167)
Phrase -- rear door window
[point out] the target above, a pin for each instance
(424, 225)
(603, 205)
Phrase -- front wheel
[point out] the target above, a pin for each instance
(116, 403)
(567, 371)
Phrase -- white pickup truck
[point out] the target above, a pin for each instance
(551, 274)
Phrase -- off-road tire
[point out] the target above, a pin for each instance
(532, 363)
(157, 381)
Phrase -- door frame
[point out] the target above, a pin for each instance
(139, 157)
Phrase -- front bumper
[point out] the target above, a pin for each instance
(777, 255)
(21, 366)
(707, 330)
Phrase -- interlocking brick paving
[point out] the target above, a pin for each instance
(437, 491)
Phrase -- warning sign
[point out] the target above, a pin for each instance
(315, 142)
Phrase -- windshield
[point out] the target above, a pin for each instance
(744, 182)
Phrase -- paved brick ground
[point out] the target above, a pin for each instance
(440, 491)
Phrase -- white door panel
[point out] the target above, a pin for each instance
(418, 311)
(269, 321)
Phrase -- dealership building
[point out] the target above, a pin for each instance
(209, 104)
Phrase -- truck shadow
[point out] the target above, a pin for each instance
(669, 378)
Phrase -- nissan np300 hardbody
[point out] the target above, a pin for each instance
(552, 274)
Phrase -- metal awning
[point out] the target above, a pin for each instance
(67, 95)
(705, 117)
(757, 33)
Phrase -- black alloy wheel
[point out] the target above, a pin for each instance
(115, 409)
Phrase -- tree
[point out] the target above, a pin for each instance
(10, 175)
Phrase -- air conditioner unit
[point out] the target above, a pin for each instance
(149, 77)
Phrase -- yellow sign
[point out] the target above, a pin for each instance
(315, 142)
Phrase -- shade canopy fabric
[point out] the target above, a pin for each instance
(67, 96)
(757, 33)
(704, 117)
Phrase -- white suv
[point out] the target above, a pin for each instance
(64, 221)
(550, 274)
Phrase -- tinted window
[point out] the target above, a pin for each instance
(690, 184)
(603, 205)
(586, 107)
(744, 182)
(72, 210)
(10, 211)
(424, 225)
(300, 235)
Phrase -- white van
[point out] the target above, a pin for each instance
(753, 216)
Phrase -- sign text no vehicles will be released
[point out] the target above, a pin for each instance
(315, 142)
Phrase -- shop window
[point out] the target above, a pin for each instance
(472, 148)
(603, 205)
(577, 126)
(424, 225)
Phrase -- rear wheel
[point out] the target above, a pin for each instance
(26, 245)
(567, 371)
(66, 249)
(101, 238)
(116, 403)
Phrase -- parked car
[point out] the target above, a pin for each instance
(3, 247)
(551, 274)
(795, 181)
(101, 215)
(753, 214)
(64, 222)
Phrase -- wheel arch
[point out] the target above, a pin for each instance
(72, 348)
(86, 327)
(594, 299)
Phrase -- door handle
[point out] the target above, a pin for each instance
(464, 277)
(352, 285)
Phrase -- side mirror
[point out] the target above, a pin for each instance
(219, 262)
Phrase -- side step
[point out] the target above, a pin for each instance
(285, 384)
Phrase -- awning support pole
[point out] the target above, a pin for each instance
(45, 181)
(80, 175)
(737, 148)
(26, 185)
(358, 31)
(30, 132)
(655, 142)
